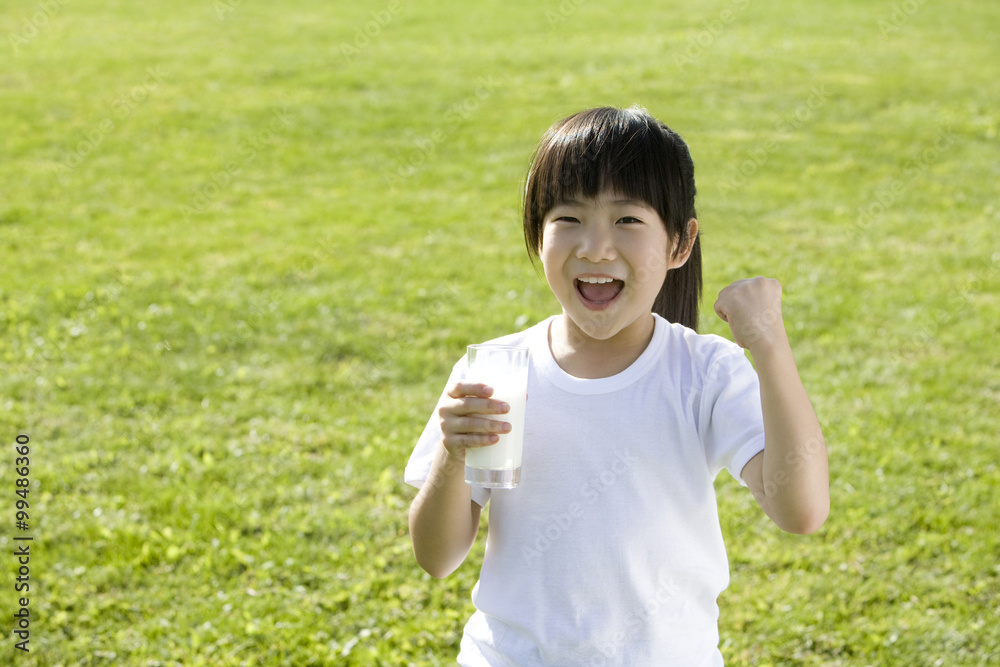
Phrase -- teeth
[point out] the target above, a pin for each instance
(597, 281)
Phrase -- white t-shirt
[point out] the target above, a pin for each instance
(610, 550)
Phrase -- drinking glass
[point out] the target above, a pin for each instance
(504, 368)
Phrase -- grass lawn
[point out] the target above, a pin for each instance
(244, 242)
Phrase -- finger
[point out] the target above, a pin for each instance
(475, 425)
(462, 388)
(720, 311)
(471, 440)
(469, 406)
(472, 433)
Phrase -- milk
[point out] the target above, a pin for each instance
(506, 370)
(506, 453)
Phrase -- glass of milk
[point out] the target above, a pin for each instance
(506, 370)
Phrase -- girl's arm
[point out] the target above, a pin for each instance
(790, 478)
(444, 520)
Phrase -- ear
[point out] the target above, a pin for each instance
(683, 248)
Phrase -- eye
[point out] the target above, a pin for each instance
(566, 218)
(628, 219)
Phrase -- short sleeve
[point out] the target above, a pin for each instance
(731, 419)
(419, 465)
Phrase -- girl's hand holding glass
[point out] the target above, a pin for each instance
(464, 420)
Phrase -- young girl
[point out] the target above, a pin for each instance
(609, 552)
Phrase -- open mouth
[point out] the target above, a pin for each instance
(598, 293)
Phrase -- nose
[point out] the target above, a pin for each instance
(597, 244)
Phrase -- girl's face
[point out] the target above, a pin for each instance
(605, 260)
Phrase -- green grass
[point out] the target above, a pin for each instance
(240, 258)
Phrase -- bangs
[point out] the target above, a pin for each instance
(624, 151)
